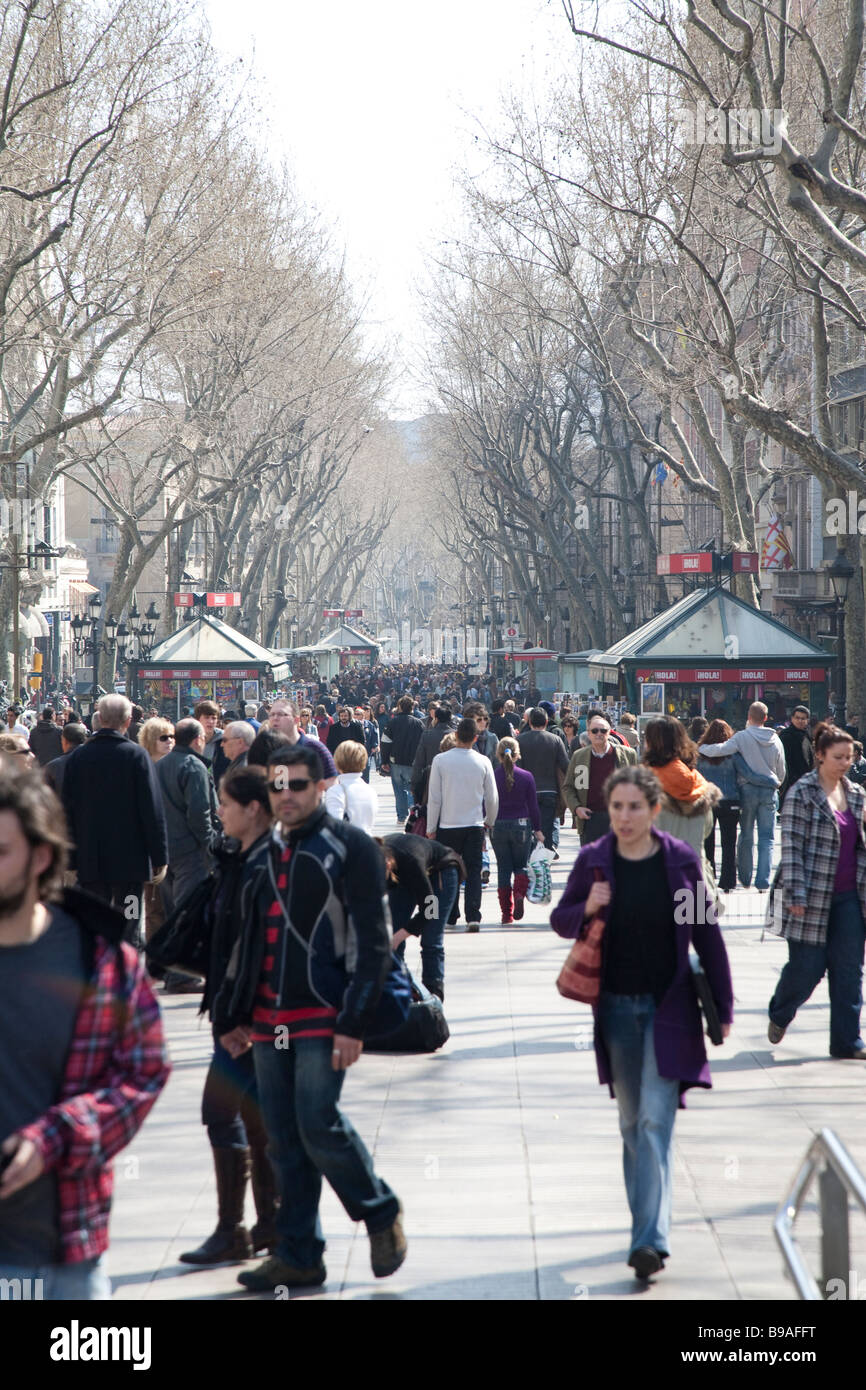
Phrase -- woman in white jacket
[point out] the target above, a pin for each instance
(350, 797)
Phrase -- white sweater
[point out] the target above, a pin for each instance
(462, 791)
(351, 796)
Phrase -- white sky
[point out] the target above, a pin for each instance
(374, 104)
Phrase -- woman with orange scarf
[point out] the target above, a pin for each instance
(687, 797)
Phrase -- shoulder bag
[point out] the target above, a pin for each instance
(580, 976)
(183, 941)
(706, 1002)
(425, 1028)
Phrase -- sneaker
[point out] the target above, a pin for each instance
(273, 1272)
(775, 1032)
(178, 983)
(388, 1248)
(852, 1054)
(473, 926)
(645, 1261)
(485, 876)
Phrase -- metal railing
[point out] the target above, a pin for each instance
(839, 1176)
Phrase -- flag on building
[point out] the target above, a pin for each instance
(660, 473)
(776, 552)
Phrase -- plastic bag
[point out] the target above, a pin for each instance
(538, 873)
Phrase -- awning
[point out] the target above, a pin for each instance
(82, 586)
(31, 623)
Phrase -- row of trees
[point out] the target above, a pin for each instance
(664, 263)
(176, 328)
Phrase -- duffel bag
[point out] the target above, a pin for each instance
(425, 1029)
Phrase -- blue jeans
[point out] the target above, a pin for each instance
(647, 1109)
(841, 956)
(511, 840)
(445, 887)
(757, 804)
(401, 781)
(310, 1139)
(85, 1281)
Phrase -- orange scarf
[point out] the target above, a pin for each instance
(681, 782)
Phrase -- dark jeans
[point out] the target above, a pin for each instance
(468, 841)
(308, 1139)
(841, 956)
(183, 874)
(726, 816)
(547, 809)
(593, 829)
(511, 840)
(230, 1102)
(127, 898)
(446, 884)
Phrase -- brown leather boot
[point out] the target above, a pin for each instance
(264, 1233)
(230, 1242)
(521, 888)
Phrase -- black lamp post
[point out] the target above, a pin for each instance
(87, 642)
(841, 572)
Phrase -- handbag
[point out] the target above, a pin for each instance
(580, 976)
(425, 1028)
(183, 941)
(706, 1002)
(416, 823)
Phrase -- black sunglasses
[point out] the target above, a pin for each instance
(166, 738)
(294, 784)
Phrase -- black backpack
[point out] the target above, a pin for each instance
(182, 943)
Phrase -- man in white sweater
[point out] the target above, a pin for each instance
(461, 800)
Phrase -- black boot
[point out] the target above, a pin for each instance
(264, 1234)
(230, 1242)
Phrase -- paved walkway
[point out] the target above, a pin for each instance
(505, 1150)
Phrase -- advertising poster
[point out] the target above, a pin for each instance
(652, 696)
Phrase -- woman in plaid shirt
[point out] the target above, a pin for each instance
(822, 905)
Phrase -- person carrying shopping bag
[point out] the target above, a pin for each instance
(519, 818)
(650, 892)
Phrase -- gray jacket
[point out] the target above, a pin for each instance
(190, 802)
(761, 748)
(542, 754)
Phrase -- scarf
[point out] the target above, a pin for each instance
(681, 782)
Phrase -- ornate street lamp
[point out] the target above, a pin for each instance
(840, 573)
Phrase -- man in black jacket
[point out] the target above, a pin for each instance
(346, 728)
(114, 810)
(428, 746)
(799, 754)
(45, 738)
(399, 744)
(71, 737)
(292, 997)
(544, 755)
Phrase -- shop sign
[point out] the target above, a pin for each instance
(749, 674)
(196, 673)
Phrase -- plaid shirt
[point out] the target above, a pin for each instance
(116, 1068)
(810, 853)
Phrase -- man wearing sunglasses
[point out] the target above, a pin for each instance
(311, 963)
(587, 773)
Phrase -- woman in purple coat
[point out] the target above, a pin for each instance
(516, 822)
(649, 1041)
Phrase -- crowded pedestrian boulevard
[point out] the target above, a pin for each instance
(504, 1148)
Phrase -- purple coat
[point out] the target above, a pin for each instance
(678, 1030)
